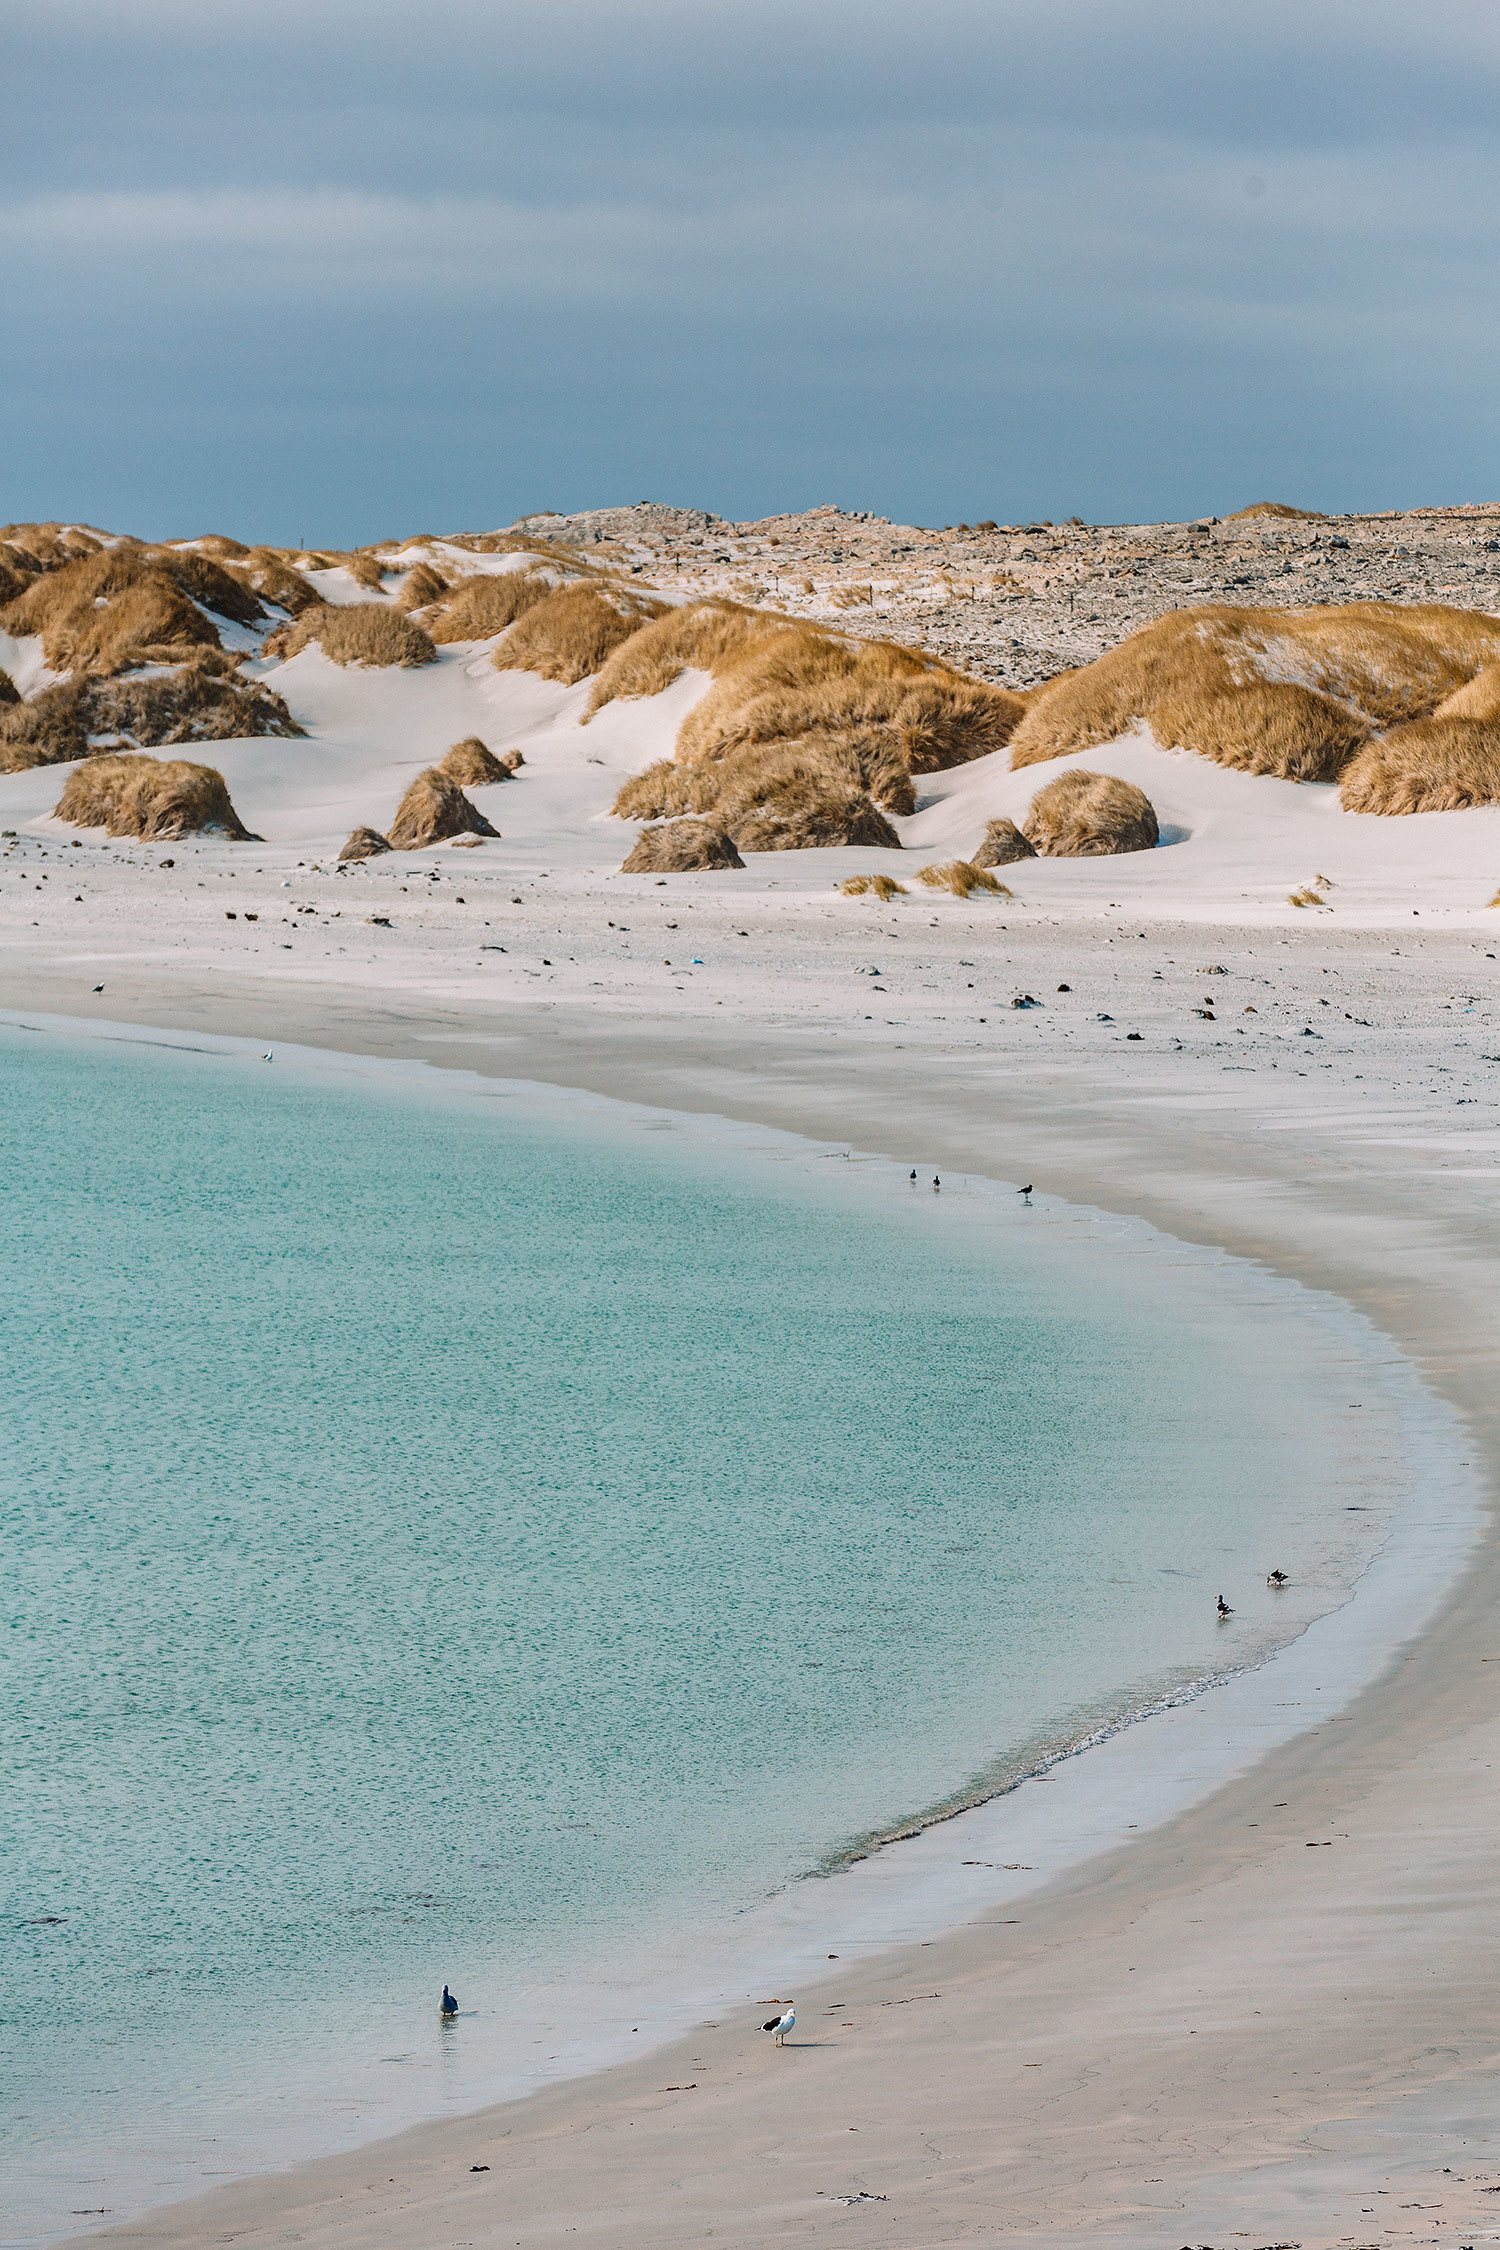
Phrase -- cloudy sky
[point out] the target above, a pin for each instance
(340, 268)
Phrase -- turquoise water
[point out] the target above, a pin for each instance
(469, 1535)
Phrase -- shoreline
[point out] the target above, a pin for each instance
(717, 1083)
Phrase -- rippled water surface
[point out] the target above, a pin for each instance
(463, 1534)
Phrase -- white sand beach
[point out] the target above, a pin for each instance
(1269, 2020)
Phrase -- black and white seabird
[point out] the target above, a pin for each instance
(779, 2026)
(1223, 1608)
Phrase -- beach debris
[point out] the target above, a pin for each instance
(1026, 1000)
(864, 2196)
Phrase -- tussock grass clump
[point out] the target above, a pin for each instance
(48, 729)
(356, 633)
(797, 707)
(422, 584)
(159, 799)
(126, 605)
(793, 799)
(365, 843)
(200, 702)
(795, 681)
(1003, 843)
(1084, 815)
(666, 790)
(1444, 763)
(700, 636)
(574, 632)
(433, 809)
(478, 608)
(962, 877)
(221, 546)
(14, 579)
(679, 847)
(473, 764)
(366, 570)
(274, 579)
(205, 701)
(882, 887)
(9, 692)
(1275, 508)
(1292, 692)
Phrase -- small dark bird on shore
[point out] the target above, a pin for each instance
(1277, 1578)
(1223, 1609)
(914, 1171)
(447, 2006)
(1024, 1193)
(936, 1183)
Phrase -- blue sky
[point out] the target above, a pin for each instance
(343, 270)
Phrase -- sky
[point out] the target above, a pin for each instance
(335, 270)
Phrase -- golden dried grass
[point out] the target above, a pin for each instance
(473, 764)
(1275, 508)
(123, 606)
(791, 797)
(880, 887)
(433, 809)
(366, 570)
(678, 847)
(477, 608)
(1085, 815)
(356, 633)
(962, 877)
(1290, 692)
(699, 636)
(665, 790)
(1447, 762)
(159, 799)
(1003, 843)
(422, 584)
(572, 633)
(274, 579)
(365, 843)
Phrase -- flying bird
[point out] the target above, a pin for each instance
(779, 2026)
(266, 1057)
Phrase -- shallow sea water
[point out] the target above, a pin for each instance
(469, 1532)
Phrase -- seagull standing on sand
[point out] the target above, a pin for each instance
(1223, 1609)
(779, 2026)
